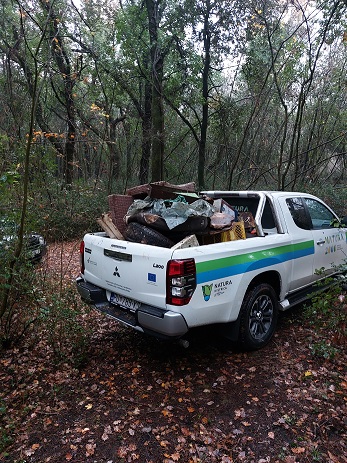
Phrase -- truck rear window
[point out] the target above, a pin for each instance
(250, 205)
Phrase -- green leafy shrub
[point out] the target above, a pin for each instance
(67, 214)
(6, 428)
(324, 349)
(62, 324)
(328, 314)
(43, 306)
(21, 310)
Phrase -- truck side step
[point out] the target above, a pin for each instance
(304, 294)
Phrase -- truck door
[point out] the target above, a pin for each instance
(303, 247)
(329, 242)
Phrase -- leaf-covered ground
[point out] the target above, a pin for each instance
(138, 399)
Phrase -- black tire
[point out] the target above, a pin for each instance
(138, 233)
(258, 317)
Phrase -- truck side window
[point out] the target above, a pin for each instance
(321, 216)
(299, 214)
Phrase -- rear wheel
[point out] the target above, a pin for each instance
(258, 317)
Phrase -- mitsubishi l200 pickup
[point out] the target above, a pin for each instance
(240, 285)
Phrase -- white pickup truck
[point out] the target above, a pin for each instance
(237, 285)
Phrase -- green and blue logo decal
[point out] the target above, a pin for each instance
(242, 263)
(206, 291)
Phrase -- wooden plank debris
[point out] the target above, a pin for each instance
(109, 227)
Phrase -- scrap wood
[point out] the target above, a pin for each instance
(169, 191)
(146, 189)
(107, 219)
(109, 227)
(118, 206)
(105, 227)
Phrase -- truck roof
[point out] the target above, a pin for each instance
(252, 193)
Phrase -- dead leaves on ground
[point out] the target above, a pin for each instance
(137, 400)
(233, 412)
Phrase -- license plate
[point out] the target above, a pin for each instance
(125, 302)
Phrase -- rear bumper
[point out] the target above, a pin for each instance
(151, 320)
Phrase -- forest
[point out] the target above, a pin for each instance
(230, 94)
(99, 96)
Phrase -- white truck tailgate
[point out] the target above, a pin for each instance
(127, 269)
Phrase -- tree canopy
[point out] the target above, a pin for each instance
(230, 94)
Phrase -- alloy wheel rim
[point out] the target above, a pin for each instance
(260, 317)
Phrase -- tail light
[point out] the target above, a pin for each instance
(180, 281)
(82, 256)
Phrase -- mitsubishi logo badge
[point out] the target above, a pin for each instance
(116, 273)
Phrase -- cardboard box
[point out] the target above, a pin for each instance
(223, 206)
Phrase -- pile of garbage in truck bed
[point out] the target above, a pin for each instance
(162, 214)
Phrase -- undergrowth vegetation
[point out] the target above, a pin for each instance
(43, 305)
(34, 302)
(62, 214)
(327, 313)
(65, 326)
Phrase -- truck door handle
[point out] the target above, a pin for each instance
(320, 242)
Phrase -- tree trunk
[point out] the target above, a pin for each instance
(204, 121)
(157, 96)
(158, 135)
(146, 134)
(63, 63)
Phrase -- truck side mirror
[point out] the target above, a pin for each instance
(344, 220)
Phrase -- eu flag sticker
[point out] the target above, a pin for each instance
(152, 277)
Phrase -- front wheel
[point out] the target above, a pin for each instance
(258, 317)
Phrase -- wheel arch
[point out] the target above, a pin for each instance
(259, 311)
(270, 277)
(231, 330)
